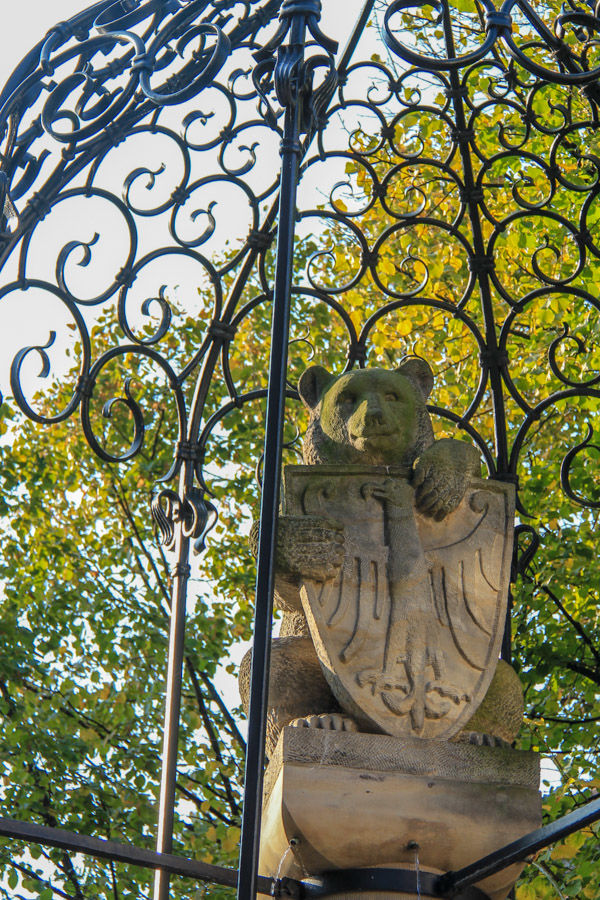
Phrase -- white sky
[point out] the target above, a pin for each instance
(25, 22)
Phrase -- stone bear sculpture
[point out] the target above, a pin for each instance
(371, 417)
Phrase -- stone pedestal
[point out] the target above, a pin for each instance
(351, 800)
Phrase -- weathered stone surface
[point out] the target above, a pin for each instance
(501, 712)
(411, 756)
(358, 801)
(392, 570)
(378, 417)
(409, 575)
(408, 631)
(367, 416)
(298, 688)
(307, 544)
(403, 584)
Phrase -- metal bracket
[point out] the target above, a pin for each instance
(401, 881)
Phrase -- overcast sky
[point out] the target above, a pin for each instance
(24, 23)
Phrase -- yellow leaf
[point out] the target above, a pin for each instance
(526, 892)
(569, 847)
(386, 266)
(230, 842)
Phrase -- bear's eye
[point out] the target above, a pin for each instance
(346, 399)
(391, 396)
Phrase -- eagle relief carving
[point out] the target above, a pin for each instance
(393, 565)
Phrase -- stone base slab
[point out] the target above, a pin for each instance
(349, 800)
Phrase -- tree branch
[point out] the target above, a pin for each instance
(235, 732)
(30, 873)
(198, 802)
(587, 720)
(214, 742)
(574, 623)
(122, 501)
(113, 876)
(582, 669)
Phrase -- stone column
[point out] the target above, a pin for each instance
(339, 800)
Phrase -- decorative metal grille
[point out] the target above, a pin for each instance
(449, 174)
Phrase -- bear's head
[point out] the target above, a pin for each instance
(370, 416)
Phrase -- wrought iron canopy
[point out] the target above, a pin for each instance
(440, 179)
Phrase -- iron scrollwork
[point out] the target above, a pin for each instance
(283, 67)
(194, 513)
(565, 470)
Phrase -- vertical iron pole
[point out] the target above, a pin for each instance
(166, 806)
(494, 360)
(253, 787)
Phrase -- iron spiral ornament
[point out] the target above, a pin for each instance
(111, 74)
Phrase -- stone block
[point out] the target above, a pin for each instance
(353, 800)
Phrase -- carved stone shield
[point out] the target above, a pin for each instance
(409, 631)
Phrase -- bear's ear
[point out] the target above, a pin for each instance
(419, 372)
(311, 385)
